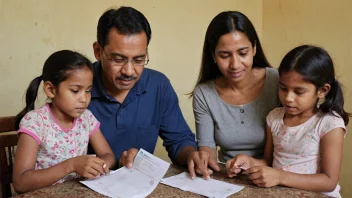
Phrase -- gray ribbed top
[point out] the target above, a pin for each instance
(219, 123)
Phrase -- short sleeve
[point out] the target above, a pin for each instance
(94, 124)
(32, 125)
(330, 122)
(272, 116)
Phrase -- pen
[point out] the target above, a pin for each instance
(221, 162)
(104, 166)
(243, 168)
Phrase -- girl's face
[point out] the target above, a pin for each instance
(72, 96)
(234, 55)
(298, 96)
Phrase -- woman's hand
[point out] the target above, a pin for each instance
(235, 165)
(199, 161)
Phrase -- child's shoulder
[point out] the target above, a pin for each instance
(326, 122)
(87, 115)
(39, 113)
(332, 117)
(277, 111)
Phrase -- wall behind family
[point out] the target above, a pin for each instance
(32, 30)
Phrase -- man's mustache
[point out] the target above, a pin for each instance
(126, 78)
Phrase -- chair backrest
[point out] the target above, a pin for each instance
(7, 143)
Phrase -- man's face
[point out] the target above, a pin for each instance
(119, 75)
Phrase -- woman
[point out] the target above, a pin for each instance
(235, 91)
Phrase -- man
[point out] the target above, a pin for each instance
(134, 104)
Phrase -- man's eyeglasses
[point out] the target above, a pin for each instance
(118, 61)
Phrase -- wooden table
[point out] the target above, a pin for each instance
(76, 189)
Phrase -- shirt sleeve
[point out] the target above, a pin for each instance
(203, 120)
(94, 124)
(174, 130)
(330, 122)
(270, 118)
(32, 125)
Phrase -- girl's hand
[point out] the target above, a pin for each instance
(89, 166)
(237, 164)
(264, 176)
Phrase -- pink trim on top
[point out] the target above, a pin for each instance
(22, 130)
(95, 129)
(54, 119)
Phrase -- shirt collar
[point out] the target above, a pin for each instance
(98, 89)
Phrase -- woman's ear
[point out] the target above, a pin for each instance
(324, 90)
(49, 89)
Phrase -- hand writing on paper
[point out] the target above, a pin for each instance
(127, 158)
(237, 164)
(199, 161)
(89, 166)
(264, 176)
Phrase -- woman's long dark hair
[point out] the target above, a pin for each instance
(316, 66)
(224, 23)
(57, 68)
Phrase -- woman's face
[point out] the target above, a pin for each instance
(234, 56)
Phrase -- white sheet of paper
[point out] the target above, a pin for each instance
(209, 188)
(138, 181)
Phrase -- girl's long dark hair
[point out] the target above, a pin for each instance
(224, 23)
(57, 68)
(316, 66)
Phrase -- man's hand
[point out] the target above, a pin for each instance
(127, 157)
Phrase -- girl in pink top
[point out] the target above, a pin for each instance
(304, 137)
(53, 139)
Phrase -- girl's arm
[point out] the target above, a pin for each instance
(25, 178)
(103, 150)
(331, 147)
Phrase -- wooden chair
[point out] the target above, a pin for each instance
(7, 143)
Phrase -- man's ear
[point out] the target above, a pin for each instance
(96, 49)
(49, 89)
(323, 91)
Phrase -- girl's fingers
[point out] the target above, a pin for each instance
(90, 173)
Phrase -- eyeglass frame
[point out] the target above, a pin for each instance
(146, 61)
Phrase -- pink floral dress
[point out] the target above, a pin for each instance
(297, 149)
(57, 144)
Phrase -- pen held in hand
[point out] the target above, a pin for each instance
(104, 166)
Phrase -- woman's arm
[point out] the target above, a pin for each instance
(200, 161)
(103, 150)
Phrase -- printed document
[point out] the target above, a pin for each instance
(209, 188)
(138, 181)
